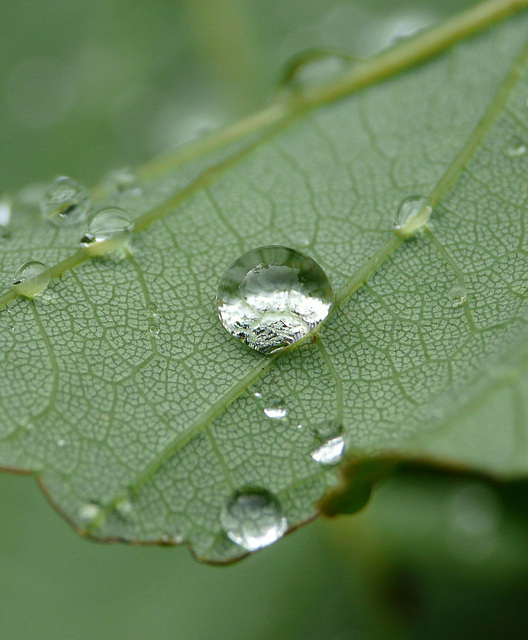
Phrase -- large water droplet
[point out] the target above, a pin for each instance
(275, 409)
(314, 67)
(413, 213)
(65, 202)
(272, 297)
(457, 294)
(125, 181)
(31, 279)
(331, 444)
(108, 229)
(253, 519)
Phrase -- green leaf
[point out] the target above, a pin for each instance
(149, 430)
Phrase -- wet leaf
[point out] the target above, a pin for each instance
(142, 416)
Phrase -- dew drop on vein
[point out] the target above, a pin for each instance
(31, 279)
(65, 202)
(457, 294)
(253, 519)
(330, 441)
(124, 181)
(314, 67)
(413, 213)
(109, 228)
(153, 320)
(272, 297)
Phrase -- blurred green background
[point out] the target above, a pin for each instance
(88, 86)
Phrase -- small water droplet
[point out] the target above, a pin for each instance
(61, 442)
(6, 207)
(153, 320)
(31, 279)
(257, 394)
(517, 148)
(124, 507)
(275, 409)
(253, 519)
(272, 297)
(457, 294)
(124, 180)
(108, 229)
(90, 512)
(331, 444)
(314, 67)
(413, 213)
(330, 452)
(65, 202)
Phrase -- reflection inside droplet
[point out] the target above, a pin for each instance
(253, 519)
(108, 229)
(272, 297)
(65, 202)
(31, 279)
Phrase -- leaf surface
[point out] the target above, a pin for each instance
(121, 389)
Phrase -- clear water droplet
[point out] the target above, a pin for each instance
(314, 67)
(257, 394)
(153, 320)
(6, 208)
(124, 181)
(330, 452)
(31, 279)
(413, 213)
(90, 512)
(275, 409)
(61, 442)
(65, 202)
(108, 229)
(457, 294)
(253, 519)
(272, 297)
(124, 507)
(331, 444)
(517, 148)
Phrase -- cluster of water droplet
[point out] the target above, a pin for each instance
(269, 298)
(66, 203)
